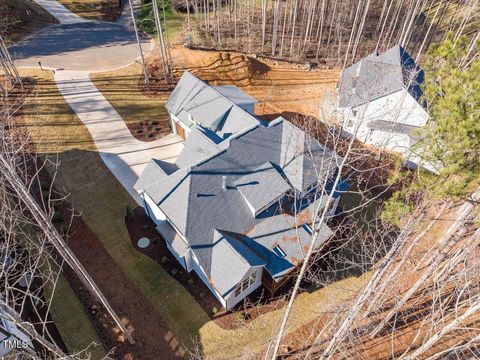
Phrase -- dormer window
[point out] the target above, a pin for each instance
(279, 251)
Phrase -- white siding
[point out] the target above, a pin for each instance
(198, 269)
(399, 107)
(152, 210)
(232, 300)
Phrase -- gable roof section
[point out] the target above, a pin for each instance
(187, 88)
(215, 108)
(196, 147)
(230, 261)
(303, 159)
(378, 75)
(154, 171)
(262, 186)
(235, 94)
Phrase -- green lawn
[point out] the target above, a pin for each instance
(73, 321)
(171, 20)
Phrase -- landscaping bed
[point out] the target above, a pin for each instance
(148, 130)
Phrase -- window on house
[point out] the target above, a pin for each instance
(245, 284)
(279, 251)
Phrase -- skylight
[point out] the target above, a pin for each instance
(278, 250)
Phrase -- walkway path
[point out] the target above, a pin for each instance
(75, 48)
(124, 155)
(60, 12)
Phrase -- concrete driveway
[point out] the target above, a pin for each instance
(76, 48)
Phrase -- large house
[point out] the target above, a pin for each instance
(240, 212)
(379, 101)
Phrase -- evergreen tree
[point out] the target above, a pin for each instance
(452, 138)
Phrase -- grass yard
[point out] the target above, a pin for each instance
(73, 321)
(120, 88)
(46, 115)
(107, 10)
(172, 21)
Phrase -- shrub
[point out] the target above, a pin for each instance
(190, 282)
(45, 194)
(214, 310)
(57, 217)
(174, 272)
(144, 226)
(164, 260)
(240, 315)
(129, 212)
(201, 295)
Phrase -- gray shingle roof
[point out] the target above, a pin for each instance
(303, 159)
(235, 94)
(230, 261)
(194, 200)
(154, 171)
(281, 230)
(378, 75)
(210, 107)
(196, 147)
(261, 186)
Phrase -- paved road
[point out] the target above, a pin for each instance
(85, 45)
(124, 155)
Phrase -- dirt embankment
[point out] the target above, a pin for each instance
(281, 88)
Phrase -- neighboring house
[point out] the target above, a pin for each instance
(220, 111)
(240, 212)
(379, 101)
(13, 341)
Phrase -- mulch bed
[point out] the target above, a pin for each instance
(149, 130)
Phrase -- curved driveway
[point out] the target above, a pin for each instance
(74, 49)
(83, 45)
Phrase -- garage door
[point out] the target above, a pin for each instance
(180, 130)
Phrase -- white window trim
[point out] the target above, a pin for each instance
(245, 284)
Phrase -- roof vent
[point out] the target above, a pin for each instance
(224, 182)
